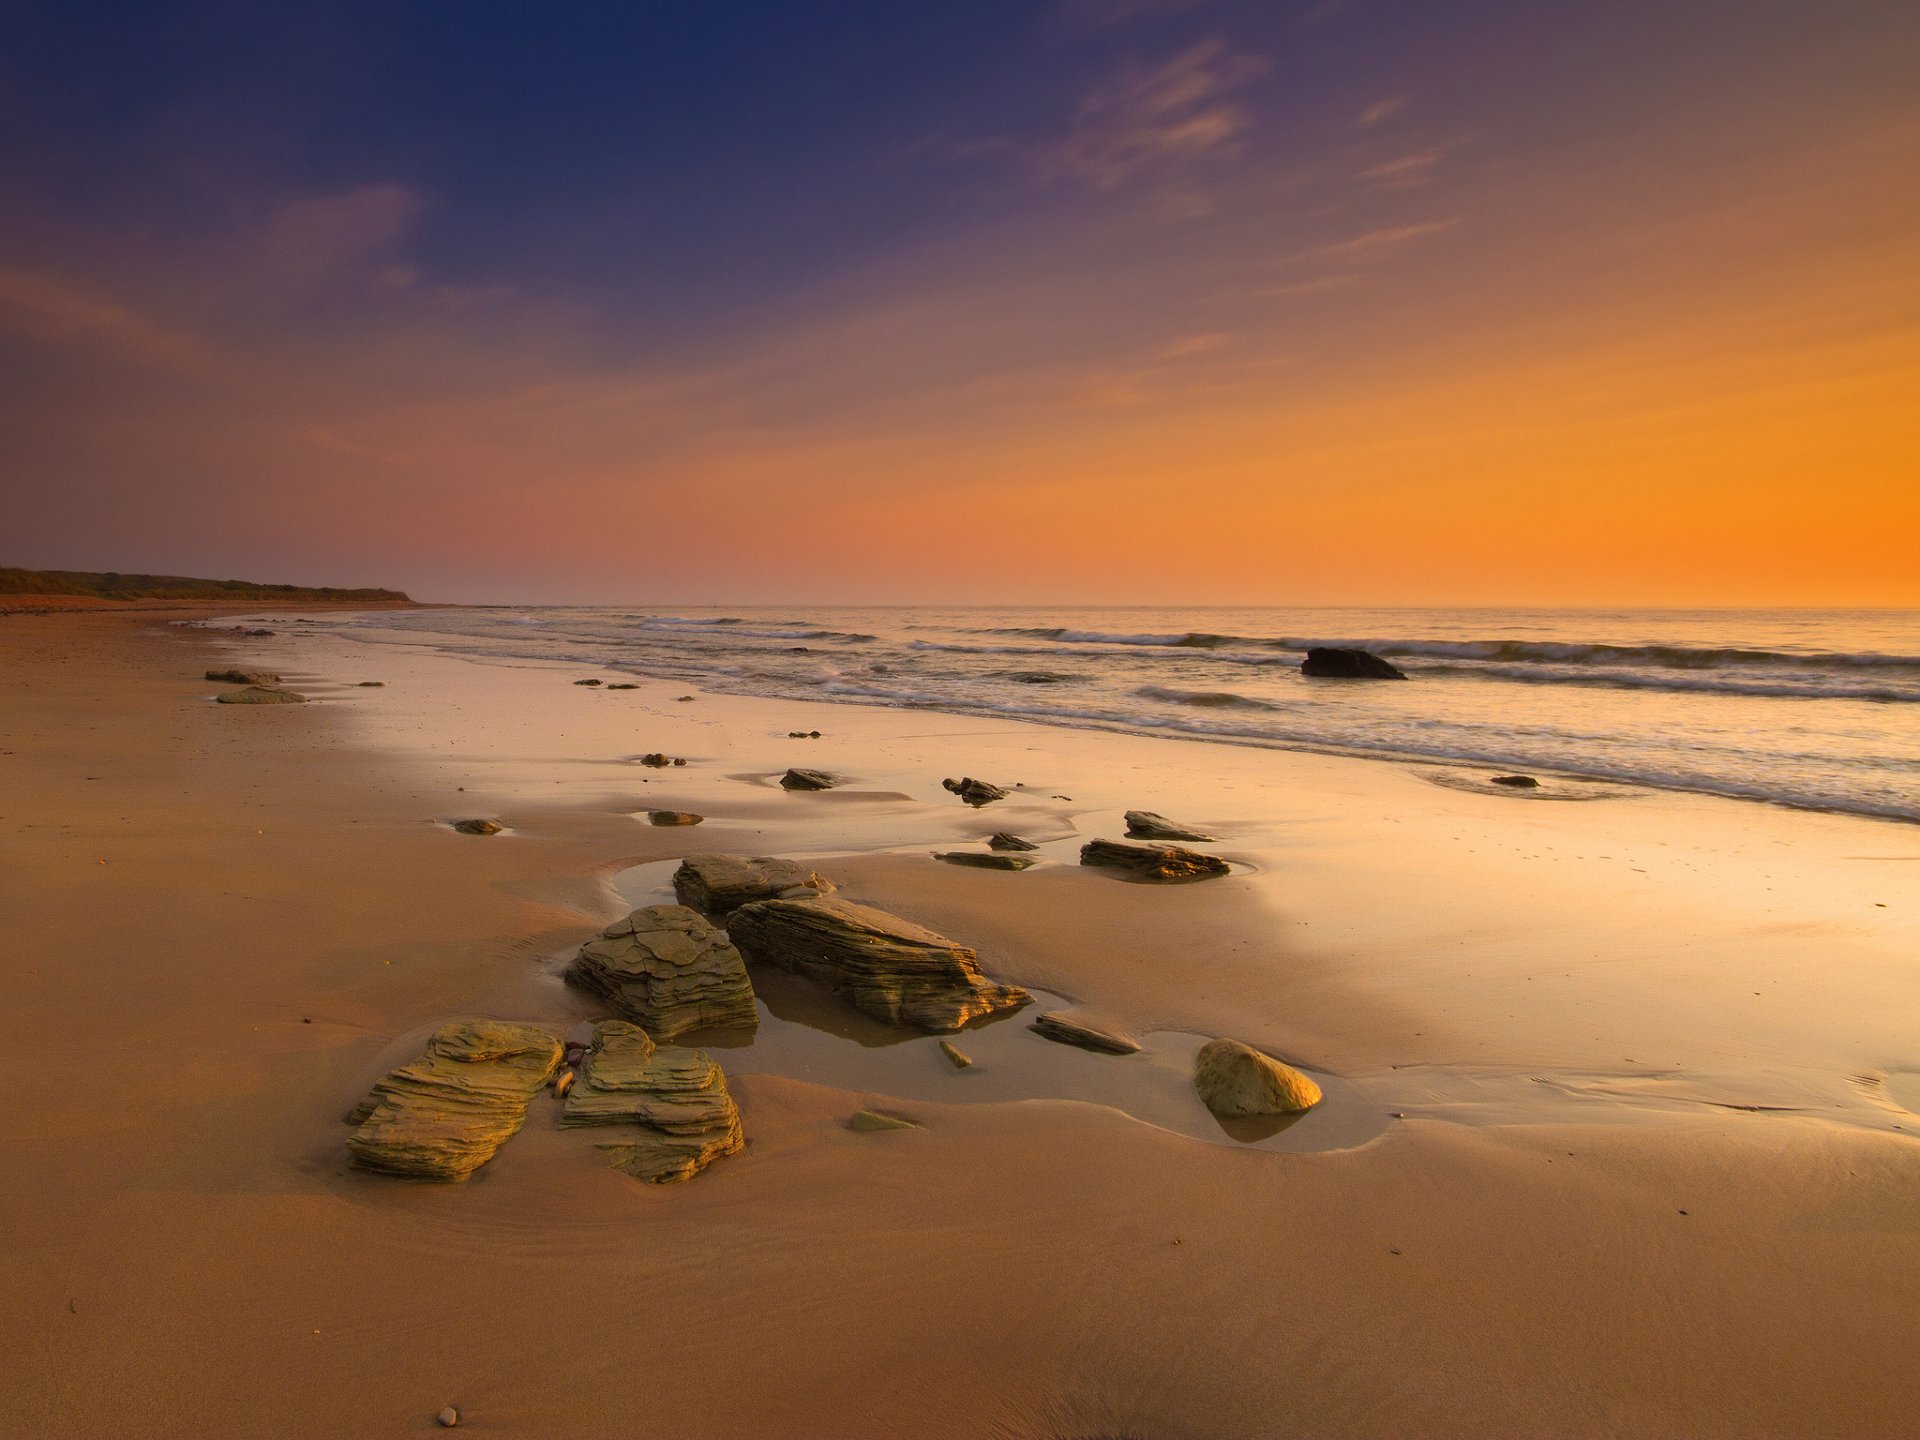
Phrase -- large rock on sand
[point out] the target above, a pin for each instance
(1153, 862)
(1236, 1079)
(800, 778)
(1332, 662)
(891, 968)
(975, 792)
(672, 1104)
(669, 970)
(1145, 825)
(442, 1116)
(718, 884)
(261, 695)
(243, 677)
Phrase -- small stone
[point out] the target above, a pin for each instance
(1516, 782)
(975, 792)
(478, 827)
(798, 779)
(562, 1083)
(624, 685)
(986, 861)
(1055, 1026)
(673, 817)
(448, 1418)
(1235, 1079)
(961, 1060)
(589, 682)
(659, 761)
(684, 698)
(867, 1121)
(373, 684)
(1145, 825)
(1003, 841)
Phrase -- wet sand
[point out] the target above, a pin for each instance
(1619, 1139)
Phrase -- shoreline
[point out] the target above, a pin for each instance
(301, 914)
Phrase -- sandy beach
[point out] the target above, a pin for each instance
(1621, 1136)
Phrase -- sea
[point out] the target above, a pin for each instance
(1812, 708)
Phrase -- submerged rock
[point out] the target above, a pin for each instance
(244, 677)
(985, 861)
(1516, 782)
(1236, 1079)
(1145, 825)
(799, 779)
(669, 970)
(589, 682)
(1332, 662)
(891, 968)
(261, 695)
(1153, 862)
(478, 827)
(975, 792)
(1003, 841)
(624, 685)
(673, 817)
(1068, 1031)
(444, 1115)
(868, 1121)
(672, 1104)
(718, 884)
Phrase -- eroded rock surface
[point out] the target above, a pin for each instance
(444, 1115)
(261, 695)
(1068, 1031)
(803, 779)
(1153, 862)
(672, 1105)
(718, 884)
(1145, 825)
(1332, 662)
(1235, 1079)
(891, 968)
(669, 970)
(1003, 841)
(975, 792)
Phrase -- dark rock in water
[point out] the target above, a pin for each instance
(243, 677)
(673, 817)
(1516, 782)
(880, 669)
(894, 970)
(261, 695)
(975, 792)
(1152, 862)
(798, 779)
(720, 883)
(672, 1106)
(478, 827)
(1035, 677)
(798, 650)
(257, 634)
(1145, 825)
(669, 970)
(1235, 1079)
(624, 685)
(1067, 1031)
(1329, 662)
(1003, 841)
(444, 1115)
(986, 860)
(373, 684)
(589, 682)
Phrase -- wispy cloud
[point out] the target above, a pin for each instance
(1411, 169)
(1146, 116)
(321, 235)
(49, 307)
(1382, 110)
(1372, 242)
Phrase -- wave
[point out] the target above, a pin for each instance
(1206, 699)
(1782, 687)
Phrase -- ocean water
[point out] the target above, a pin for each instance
(1819, 709)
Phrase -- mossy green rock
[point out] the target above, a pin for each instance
(669, 970)
(672, 1105)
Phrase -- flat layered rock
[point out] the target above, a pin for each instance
(673, 817)
(1333, 662)
(1516, 782)
(985, 860)
(718, 884)
(672, 1105)
(891, 968)
(1153, 862)
(478, 827)
(669, 970)
(1145, 825)
(261, 695)
(1003, 841)
(243, 677)
(444, 1115)
(1235, 1079)
(1068, 1031)
(803, 779)
(975, 792)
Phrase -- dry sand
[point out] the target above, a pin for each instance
(1653, 1060)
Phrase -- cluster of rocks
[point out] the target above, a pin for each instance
(975, 792)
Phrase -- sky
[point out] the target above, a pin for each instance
(1490, 302)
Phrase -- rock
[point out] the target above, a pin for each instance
(975, 792)
(563, 1082)
(867, 1121)
(1145, 825)
(1153, 862)
(444, 1115)
(589, 682)
(673, 817)
(373, 684)
(669, 970)
(986, 861)
(672, 1103)
(1035, 677)
(891, 968)
(961, 1060)
(659, 761)
(798, 779)
(624, 685)
(261, 695)
(678, 761)
(803, 734)
(1330, 662)
(1003, 841)
(683, 699)
(478, 827)
(1236, 1079)
(243, 677)
(448, 1418)
(718, 884)
(1067, 1031)
(256, 634)
(1516, 782)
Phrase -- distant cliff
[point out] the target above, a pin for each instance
(112, 585)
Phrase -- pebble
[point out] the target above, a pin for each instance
(961, 1060)
(448, 1417)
